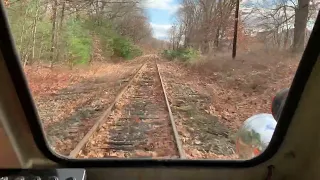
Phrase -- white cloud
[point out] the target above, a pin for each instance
(160, 30)
(160, 35)
(164, 27)
(168, 5)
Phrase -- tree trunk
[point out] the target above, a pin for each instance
(186, 41)
(21, 50)
(300, 25)
(34, 31)
(53, 32)
(60, 30)
(40, 49)
(286, 35)
(217, 38)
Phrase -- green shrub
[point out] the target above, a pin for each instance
(79, 42)
(104, 33)
(113, 44)
(123, 47)
(168, 54)
(185, 54)
(188, 54)
(74, 39)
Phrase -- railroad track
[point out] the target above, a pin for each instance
(89, 100)
(139, 123)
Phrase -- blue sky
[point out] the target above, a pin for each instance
(161, 16)
(161, 13)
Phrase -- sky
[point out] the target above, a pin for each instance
(161, 16)
(161, 13)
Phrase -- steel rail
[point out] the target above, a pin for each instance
(181, 151)
(74, 153)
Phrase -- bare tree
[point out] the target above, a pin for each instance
(34, 29)
(53, 32)
(300, 24)
(284, 22)
(204, 23)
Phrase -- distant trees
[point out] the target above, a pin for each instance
(69, 31)
(207, 25)
(203, 24)
(285, 22)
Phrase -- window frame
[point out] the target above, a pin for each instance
(15, 69)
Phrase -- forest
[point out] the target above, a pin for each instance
(70, 32)
(208, 26)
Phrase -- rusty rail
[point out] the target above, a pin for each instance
(182, 154)
(82, 143)
(74, 153)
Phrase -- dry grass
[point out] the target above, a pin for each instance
(236, 89)
(43, 80)
(246, 85)
(69, 101)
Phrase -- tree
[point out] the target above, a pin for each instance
(53, 32)
(300, 25)
(203, 24)
(284, 22)
(69, 31)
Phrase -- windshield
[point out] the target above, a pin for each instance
(173, 79)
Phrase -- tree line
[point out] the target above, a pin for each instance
(208, 25)
(72, 31)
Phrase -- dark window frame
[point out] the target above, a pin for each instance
(304, 70)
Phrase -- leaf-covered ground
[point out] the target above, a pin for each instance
(70, 101)
(212, 97)
(209, 98)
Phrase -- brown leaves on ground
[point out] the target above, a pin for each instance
(193, 153)
(239, 88)
(72, 99)
(43, 80)
(244, 87)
